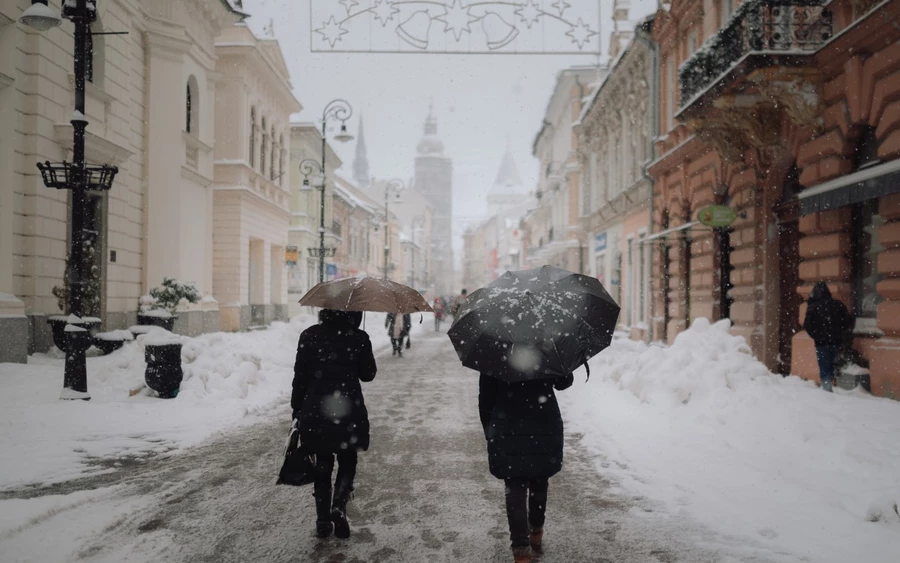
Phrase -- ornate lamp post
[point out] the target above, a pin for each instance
(310, 167)
(394, 187)
(336, 109)
(78, 177)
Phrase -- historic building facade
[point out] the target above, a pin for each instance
(784, 112)
(251, 198)
(615, 143)
(150, 105)
(561, 238)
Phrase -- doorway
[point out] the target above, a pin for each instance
(787, 212)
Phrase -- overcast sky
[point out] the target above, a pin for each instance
(482, 102)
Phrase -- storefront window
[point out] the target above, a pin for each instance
(866, 248)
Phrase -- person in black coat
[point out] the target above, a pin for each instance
(524, 432)
(827, 321)
(332, 358)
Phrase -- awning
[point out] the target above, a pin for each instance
(862, 185)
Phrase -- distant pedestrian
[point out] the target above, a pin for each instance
(398, 330)
(458, 303)
(332, 358)
(524, 432)
(407, 329)
(438, 307)
(827, 322)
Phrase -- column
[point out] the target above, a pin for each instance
(883, 367)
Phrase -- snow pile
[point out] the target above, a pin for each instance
(703, 428)
(229, 378)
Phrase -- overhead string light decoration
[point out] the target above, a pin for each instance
(455, 26)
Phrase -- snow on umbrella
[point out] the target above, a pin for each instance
(534, 324)
(366, 294)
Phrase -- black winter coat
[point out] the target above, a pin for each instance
(827, 319)
(391, 318)
(332, 358)
(523, 426)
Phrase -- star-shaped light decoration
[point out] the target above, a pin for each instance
(457, 19)
(562, 6)
(530, 12)
(580, 33)
(349, 4)
(332, 31)
(384, 11)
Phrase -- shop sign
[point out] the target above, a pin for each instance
(717, 216)
(291, 255)
(600, 242)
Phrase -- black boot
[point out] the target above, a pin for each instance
(324, 526)
(342, 492)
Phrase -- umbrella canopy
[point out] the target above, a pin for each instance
(366, 294)
(534, 324)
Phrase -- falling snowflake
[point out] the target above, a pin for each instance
(331, 31)
(457, 19)
(384, 11)
(529, 13)
(581, 33)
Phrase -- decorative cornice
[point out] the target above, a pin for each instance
(194, 143)
(97, 150)
(195, 177)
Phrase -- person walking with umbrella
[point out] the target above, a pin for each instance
(398, 329)
(333, 357)
(524, 432)
(525, 333)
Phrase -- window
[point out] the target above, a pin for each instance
(262, 149)
(629, 283)
(281, 161)
(726, 8)
(865, 250)
(252, 137)
(642, 289)
(94, 64)
(191, 107)
(692, 42)
(272, 155)
(670, 94)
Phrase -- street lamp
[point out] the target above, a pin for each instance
(78, 177)
(395, 187)
(336, 109)
(312, 170)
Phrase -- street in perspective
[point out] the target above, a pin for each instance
(528, 281)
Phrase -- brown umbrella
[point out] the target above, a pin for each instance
(366, 294)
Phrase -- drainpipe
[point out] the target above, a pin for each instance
(653, 46)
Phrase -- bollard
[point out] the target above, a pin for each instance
(163, 373)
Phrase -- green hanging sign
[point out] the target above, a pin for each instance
(717, 216)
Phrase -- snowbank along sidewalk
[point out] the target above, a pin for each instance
(708, 431)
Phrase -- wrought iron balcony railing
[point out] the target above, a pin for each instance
(763, 27)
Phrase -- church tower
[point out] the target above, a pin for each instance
(361, 160)
(508, 189)
(434, 180)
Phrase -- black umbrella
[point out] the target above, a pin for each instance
(534, 324)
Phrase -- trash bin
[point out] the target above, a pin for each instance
(164, 373)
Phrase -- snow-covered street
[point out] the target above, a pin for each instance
(689, 453)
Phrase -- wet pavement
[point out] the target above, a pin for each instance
(423, 493)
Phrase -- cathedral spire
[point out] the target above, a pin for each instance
(361, 160)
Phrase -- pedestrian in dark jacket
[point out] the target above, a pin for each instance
(398, 332)
(827, 321)
(524, 432)
(332, 358)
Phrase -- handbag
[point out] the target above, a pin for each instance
(299, 466)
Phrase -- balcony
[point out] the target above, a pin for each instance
(756, 71)
(762, 33)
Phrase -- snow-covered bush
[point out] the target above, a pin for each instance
(168, 296)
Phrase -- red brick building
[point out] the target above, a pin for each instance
(787, 111)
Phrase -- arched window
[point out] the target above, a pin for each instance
(262, 151)
(281, 161)
(252, 137)
(272, 155)
(192, 107)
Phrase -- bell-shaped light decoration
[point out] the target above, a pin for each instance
(39, 16)
(343, 136)
(499, 32)
(415, 29)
